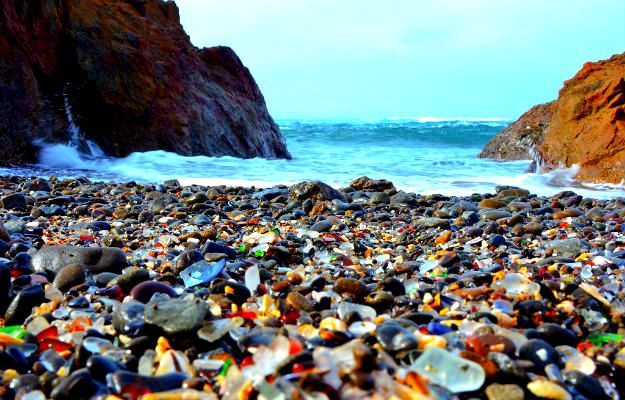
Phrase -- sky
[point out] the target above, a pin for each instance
(366, 59)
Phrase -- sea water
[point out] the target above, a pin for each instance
(420, 155)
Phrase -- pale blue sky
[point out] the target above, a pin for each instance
(363, 59)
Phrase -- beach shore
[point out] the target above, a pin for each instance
(308, 291)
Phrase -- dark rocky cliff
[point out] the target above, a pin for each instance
(131, 78)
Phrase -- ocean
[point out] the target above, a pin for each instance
(420, 155)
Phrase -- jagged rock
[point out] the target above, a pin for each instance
(520, 137)
(315, 190)
(585, 126)
(375, 185)
(130, 77)
(588, 123)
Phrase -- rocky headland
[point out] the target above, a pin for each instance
(584, 126)
(517, 141)
(124, 75)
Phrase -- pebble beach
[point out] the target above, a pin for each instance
(162, 291)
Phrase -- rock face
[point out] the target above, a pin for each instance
(588, 123)
(124, 75)
(585, 126)
(520, 137)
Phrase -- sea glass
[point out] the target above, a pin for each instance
(445, 369)
(516, 284)
(202, 272)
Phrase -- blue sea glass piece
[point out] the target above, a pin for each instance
(201, 272)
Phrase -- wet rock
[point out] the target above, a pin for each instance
(78, 385)
(548, 389)
(131, 279)
(69, 276)
(494, 215)
(322, 226)
(380, 198)
(586, 385)
(128, 318)
(120, 380)
(177, 315)
(515, 142)
(187, 258)
(351, 287)
(376, 185)
(15, 226)
(556, 335)
(433, 222)
(51, 211)
(316, 191)
(393, 337)
(587, 113)
(539, 352)
(4, 234)
(214, 247)
(491, 203)
(144, 291)
(219, 87)
(95, 259)
(20, 307)
(296, 301)
(15, 201)
(99, 367)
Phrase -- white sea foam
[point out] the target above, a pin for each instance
(452, 119)
(418, 157)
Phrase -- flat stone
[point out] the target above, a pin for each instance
(95, 259)
(322, 226)
(491, 203)
(177, 315)
(432, 222)
(494, 215)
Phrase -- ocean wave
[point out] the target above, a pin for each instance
(418, 157)
(448, 119)
(289, 123)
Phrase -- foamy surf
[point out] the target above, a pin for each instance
(425, 156)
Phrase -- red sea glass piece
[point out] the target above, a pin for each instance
(55, 344)
(50, 332)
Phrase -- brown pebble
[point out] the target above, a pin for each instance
(297, 302)
(351, 287)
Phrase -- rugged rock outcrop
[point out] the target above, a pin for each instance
(585, 126)
(126, 75)
(521, 137)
